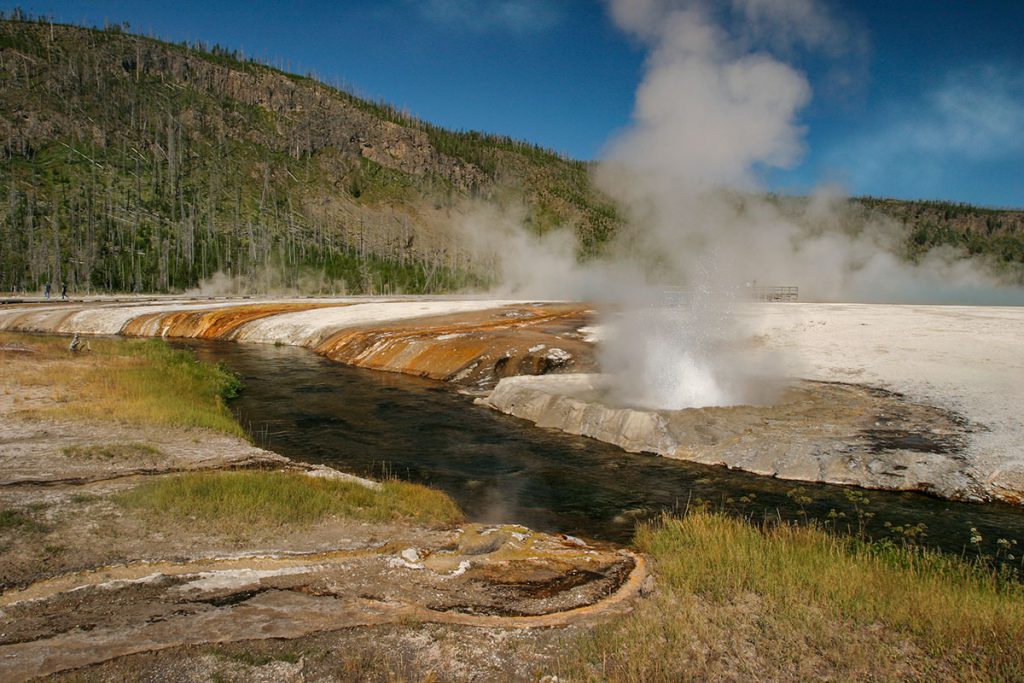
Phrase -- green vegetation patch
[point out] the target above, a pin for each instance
(177, 173)
(271, 499)
(139, 381)
(172, 387)
(737, 600)
(18, 520)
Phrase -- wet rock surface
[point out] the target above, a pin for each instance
(87, 580)
(524, 580)
(472, 349)
(209, 324)
(817, 431)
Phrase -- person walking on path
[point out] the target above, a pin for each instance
(46, 290)
(64, 291)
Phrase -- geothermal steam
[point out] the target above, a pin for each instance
(715, 107)
(707, 112)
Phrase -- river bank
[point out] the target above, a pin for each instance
(502, 469)
(134, 569)
(913, 398)
(127, 529)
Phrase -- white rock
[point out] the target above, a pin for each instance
(325, 472)
(558, 355)
(463, 566)
(402, 564)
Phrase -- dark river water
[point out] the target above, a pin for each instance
(502, 469)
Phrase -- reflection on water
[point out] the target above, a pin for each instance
(501, 469)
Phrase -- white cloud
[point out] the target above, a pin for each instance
(975, 116)
(519, 16)
(779, 25)
(980, 115)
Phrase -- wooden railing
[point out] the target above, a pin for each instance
(678, 296)
(776, 293)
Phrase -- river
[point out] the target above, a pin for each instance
(502, 469)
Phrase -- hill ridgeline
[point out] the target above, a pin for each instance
(132, 164)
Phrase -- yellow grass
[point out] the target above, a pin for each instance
(239, 500)
(792, 603)
(133, 381)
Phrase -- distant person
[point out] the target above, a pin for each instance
(77, 344)
(46, 290)
(64, 292)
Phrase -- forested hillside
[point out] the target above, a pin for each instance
(976, 230)
(131, 164)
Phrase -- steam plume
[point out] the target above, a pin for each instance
(717, 105)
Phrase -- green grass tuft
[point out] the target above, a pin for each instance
(16, 520)
(139, 381)
(737, 600)
(234, 500)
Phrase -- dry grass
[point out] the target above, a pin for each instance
(376, 663)
(134, 381)
(244, 500)
(791, 603)
(111, 451)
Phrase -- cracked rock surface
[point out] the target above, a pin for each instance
(816, 431)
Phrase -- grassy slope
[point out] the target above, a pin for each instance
(147, 382)
(136, 164)
(243, 500)
(797, 603)
(143, 382)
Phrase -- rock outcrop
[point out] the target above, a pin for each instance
(470, 342)
(817, 431)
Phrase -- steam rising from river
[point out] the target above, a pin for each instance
(714, 107)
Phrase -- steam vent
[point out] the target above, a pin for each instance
(862, 401)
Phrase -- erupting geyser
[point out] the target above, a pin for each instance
(709, 111)
(681, 356)
(715, 109)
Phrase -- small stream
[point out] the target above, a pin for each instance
(502, 469)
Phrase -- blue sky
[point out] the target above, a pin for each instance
(926, 100)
